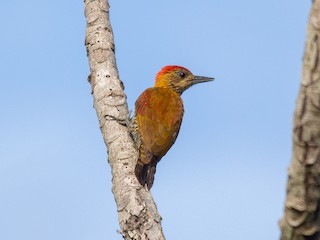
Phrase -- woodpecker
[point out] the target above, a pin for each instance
(157, 119)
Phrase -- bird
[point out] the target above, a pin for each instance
(157, 119)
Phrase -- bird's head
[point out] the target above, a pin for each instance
(178, 78)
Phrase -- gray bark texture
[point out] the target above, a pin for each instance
(137, 212)
(301, 220)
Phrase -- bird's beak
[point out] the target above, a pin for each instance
(200, 79)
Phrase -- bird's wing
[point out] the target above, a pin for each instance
(159, 115)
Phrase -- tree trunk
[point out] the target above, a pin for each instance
(138, 215)
(301, 219)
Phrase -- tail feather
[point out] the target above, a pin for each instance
(145, 173)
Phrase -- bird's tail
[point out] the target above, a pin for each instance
(145, 173)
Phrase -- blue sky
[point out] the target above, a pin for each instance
(225, 176)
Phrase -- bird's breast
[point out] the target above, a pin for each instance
(159, 113)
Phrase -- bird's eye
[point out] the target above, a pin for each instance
(182, 74)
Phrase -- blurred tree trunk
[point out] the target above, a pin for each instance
(301, 219)
(137, 212)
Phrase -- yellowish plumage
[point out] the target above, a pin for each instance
(158, 116)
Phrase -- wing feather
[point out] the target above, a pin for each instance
(159, 113)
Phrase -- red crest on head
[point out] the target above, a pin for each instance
(170, 68)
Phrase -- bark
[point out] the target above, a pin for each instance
(301, 219)
(138, 215)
